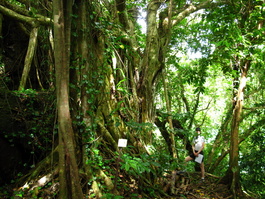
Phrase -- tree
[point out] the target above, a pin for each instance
(237, 111)
(68, 168)
(237, 51)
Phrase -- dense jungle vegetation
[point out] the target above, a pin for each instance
(77, 76)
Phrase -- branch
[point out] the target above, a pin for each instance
(192, 8)
(14, 7)
(254, 108)
(16, 16)
(34, 22)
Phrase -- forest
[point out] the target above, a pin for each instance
(101, 98)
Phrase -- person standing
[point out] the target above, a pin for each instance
(197, 148)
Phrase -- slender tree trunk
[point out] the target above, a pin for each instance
(29, 57)
(51, 58)
(168, 105)
(234, 148)
(70, 186)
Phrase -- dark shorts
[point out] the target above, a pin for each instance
(193, 156)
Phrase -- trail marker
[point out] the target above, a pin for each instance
(122, 143)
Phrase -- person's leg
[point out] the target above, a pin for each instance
(187, 159)
(202, 170)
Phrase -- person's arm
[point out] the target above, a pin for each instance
(196, 154)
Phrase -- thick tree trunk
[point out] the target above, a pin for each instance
(157, 40)
(150, 64)
(70, 186)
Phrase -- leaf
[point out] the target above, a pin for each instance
(127, 167)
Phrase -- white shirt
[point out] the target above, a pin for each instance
(198, 142)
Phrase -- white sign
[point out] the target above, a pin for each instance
(122, 143)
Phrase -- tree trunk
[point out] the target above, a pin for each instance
(172, 146)
(150, 64)
(70, 186)
(29, 57)
(157, 38)
(234, 170)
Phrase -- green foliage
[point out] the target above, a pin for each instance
(15, 2)
(252, 164)
(138, 165)
(195, 73)
(97, 159)
(19, 193)
(36, 115)
(140, 127)
(111, 196)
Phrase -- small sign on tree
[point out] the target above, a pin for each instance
(122, 143)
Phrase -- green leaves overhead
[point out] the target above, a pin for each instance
(196, 75)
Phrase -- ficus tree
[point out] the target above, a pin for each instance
(241, 51)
